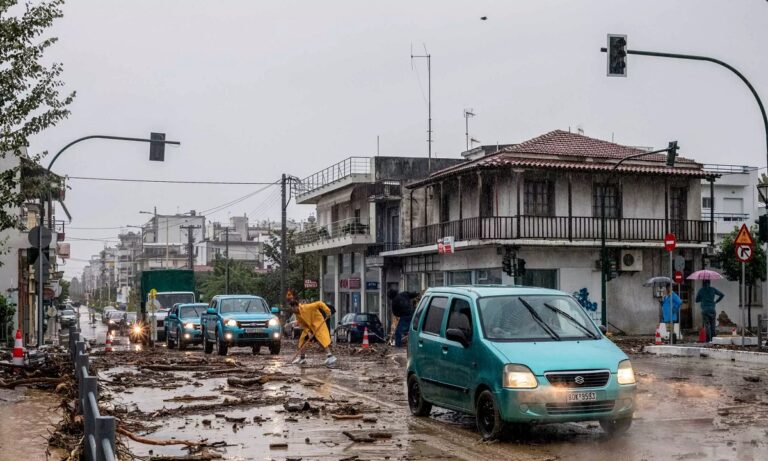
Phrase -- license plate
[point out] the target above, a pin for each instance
(581, 396)
(255, 330)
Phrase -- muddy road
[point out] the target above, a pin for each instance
(260, 407)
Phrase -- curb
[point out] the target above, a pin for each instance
(706, 352)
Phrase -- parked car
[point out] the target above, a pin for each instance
(292, 329)
(352, 327)
(67, 317)
(182, 326)
(516, 355)
(240, 320)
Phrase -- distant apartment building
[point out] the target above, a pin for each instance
(357, 217)
(238, 240)
(129, 251)
(166, 240)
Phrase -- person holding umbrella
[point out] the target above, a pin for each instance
(708, 296)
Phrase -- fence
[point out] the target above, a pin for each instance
(99, 431)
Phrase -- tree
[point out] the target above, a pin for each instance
(6, 317)
(29, 91)
(754, 270)
(298, 267)
(242, 279)
(64, 284)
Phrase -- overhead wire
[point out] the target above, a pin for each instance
(173, 181)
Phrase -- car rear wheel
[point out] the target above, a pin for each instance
(221, 346)
(207, 345)
(614, 427)
(488, 419)
(416, 402)
(274, 349)
(169, 341)
(349, 337)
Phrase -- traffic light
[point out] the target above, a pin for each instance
(672, 153)
(157, 149)
(617, 55)
(762, 228)
(506, 264)
(520, 268)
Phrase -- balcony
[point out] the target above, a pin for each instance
(562, 228)
(351, 170)
(349, 231)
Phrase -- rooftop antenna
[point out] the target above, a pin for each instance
(377, 145)
(467, 114)
(428, 57)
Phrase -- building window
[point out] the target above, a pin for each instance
(460, 278)
(488, 276)
(352, 263)
(436, 279)
(542, 278)
(706, 202)
(539, 198)
(413, 282)
(612, 201)
(425, 263)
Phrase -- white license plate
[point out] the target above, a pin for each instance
(255, 330)
(581, 397)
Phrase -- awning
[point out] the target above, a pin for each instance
(334, 198)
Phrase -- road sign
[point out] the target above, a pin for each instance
(678, 278)
(670, 241)
(152, 294)
(679, 263)
(744, 237)
(32, 236)
(744, 253)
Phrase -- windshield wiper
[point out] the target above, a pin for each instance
(539, 320)
(570, 317)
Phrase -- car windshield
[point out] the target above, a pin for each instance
(191, 311)
(250, 305)
(130, 317)
(167, 300)
(68, 312)
(371, 318)
(534, 318)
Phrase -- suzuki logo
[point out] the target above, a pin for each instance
(579, 380)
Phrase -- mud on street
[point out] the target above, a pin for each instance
(245, 407)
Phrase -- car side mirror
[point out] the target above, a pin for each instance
(210, 311)
(454, 334)
(276, 310)
(173, 316)
(603, 330)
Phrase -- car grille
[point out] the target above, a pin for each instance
(253, 335)
(253, 324)
(578, 379)
(602, 406)
(160, 323)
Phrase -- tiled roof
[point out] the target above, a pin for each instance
(569, 151)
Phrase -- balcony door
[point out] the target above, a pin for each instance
(678, 211)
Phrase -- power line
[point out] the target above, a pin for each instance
(169, 181)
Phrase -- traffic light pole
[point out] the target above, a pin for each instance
(603, 249)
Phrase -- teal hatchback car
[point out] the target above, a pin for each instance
(515, 355)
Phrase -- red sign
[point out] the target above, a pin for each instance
(678, 278)
(670, 241)
(354, 283)
(48, 294)
(309, 283)
(744, 237)
(445, 245)
(744, 253)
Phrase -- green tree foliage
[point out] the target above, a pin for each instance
(299, 267)
(242, 279)
(64, 284)
(754, 270)
(29, 90)
(6, 318)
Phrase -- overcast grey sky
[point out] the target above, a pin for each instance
(253, 89)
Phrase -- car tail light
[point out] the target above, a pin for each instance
(353, 325)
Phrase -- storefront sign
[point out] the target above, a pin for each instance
(354, 283)
(309, 283)
(371, 285)
(445, 245)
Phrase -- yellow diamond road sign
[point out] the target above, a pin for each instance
(744, 237)
(152, 293)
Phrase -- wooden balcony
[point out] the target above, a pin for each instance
(563, 228)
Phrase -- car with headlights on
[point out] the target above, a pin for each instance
(240, 321)
(182, 325)
(515, 355)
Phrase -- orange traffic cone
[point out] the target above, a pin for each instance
(108, 344)
(18, 350)
(702, 335)
(365, 338)
(657, 341)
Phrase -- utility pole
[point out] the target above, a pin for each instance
(226, 255)
(283, 232)
(428, 57)
(190, 245)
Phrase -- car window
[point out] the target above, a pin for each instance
(419, 311)
(372, 318)
(433, 319)
(460, 317)
(190, 311)
(248, 305)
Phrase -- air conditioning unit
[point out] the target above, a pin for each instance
(631, 260)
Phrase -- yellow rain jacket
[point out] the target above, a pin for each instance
(311, 318)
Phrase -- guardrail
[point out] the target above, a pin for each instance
(99, 430)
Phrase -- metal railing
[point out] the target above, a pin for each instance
(99, 430)
(346, 167)
(718, 168)
(341, 228)
(562, 227)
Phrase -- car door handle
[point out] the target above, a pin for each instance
(445, 349)
(421, 343)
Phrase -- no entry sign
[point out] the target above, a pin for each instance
(670, 242)
(678, 278)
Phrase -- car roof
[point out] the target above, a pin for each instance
(192, 304)
(482, 291)
(236, 296)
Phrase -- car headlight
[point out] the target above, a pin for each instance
(111, 322)
(136, 329)
(519, 377)
(231, 323)
(626, 374)
(273, 322)
(189, 325)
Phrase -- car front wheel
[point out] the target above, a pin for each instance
(169, 341)
(416, 402)
(221, 346)
(207, 345)
(488, 419)
(614, 427)
(274, 349)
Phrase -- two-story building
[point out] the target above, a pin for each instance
(540, 200)
(357, 217)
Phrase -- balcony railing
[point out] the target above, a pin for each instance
(735, 217)
(562, 228)
(342, 228)
(346, 167)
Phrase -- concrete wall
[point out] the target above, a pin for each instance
(409, 168)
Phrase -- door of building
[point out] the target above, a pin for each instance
(678, 208)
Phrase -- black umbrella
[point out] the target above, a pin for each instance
(657, 281)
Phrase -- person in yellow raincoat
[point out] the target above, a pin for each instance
(311, 317)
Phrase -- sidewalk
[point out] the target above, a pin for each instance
(707, 351)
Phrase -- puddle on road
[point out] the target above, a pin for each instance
(27, 417)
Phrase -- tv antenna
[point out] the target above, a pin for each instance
(467, 114)
(428, 57)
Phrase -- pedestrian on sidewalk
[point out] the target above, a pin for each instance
(670, 311)
(402, 307)
(311, 317)
(709, 296)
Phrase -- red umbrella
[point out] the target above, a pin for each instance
(705, 274)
